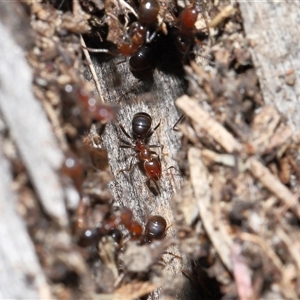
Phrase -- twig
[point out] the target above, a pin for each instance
(230, 144)
(285, 285)
(273, 184)
(126, 5)
(92, 69)
(202, 190)
(191, 108)
(292, 247)
(225, 13)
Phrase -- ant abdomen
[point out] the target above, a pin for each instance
(89, 237)
(148, 11)
(143, 59)
(141, 125)
(155, 228)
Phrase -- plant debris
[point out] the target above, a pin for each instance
(229, 202)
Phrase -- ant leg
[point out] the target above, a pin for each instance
(156, 185)
(157, 126)
(148, 183)
(124, 131)
(130, 166)
(126, 146)
(152, 131)
(174, 255)
(181, 118)
(172, 167)
(121, 62)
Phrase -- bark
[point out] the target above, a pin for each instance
(273, 33)
(157, 99)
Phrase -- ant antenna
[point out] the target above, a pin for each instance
(130, 89)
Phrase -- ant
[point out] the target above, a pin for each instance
(74, 169)
(139, 31)
(101, 112)
(133, 45)
(186, 27)
(185, 32)
(141, 132)
(155, 229)
(109, 226)
(80, 108)
(143, 56)
(143, 59)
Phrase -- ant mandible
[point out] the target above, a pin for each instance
(141, 132)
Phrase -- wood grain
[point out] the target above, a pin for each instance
(157, 99)
(272, 28)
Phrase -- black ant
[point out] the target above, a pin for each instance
(141, 131)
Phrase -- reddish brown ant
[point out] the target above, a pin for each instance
(155, 229)
(141, 56)
(73, 168)
(185, 32)
(139, 31)
(100, 112)
(109, 226)
(184, 35)
(141, 131)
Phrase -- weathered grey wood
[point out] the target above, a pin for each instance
(30, 128)
(21, 276)
(273, 30)
(157, 99)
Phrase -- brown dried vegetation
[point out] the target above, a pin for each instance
(232, 212)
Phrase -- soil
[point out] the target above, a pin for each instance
(229, 161)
